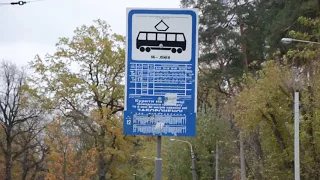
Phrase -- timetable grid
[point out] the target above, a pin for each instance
(157, 79)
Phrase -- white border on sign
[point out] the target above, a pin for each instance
(196, 61)
(126, 60)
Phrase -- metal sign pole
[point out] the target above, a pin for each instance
(158, 160)
(296, 137)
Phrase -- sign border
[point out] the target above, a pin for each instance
(195, 36)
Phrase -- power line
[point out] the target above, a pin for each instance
(19, 2)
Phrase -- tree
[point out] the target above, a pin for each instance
(90, 98)
(65, 161)
(265, 107)
(32, 158)
(304, 58)
(19, 115)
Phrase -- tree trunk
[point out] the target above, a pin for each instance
(243, 43)
(34, 174)
(101, 148)
(8, 160)
(258, 154)
(24, 174)
(102, 167)
(65, 164)
(25, 165)
(101, 144)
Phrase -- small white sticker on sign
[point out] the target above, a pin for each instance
(159, 126)
(170, 99)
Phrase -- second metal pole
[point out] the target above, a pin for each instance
(242, 159)
(158, 160)
(193, 165)
(217, 161)
(296, 137)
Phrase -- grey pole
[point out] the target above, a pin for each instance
(158, 160)
(296, 137)
(193, 158)
(217, 161)
(242, 159)
(296, 117)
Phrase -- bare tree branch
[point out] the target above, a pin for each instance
(15, 112)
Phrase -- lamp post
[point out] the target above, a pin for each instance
(133, 164)
(193, 158)
(296, 117)
(135, 176)
(290, 40)
(149, 158)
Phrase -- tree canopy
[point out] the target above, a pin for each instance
(65, 120)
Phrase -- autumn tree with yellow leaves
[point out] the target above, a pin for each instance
(65, 160)
(83, 81)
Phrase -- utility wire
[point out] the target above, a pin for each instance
(19, 2)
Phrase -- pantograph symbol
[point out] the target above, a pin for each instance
(161, 26)
(161, 40)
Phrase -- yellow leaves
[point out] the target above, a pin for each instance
(119, 37)
(62, 41)
(118, 131)
(38, 65)
(262, 95)
(62, 53)
(304, 53)
(111, 151)
(299, 35)
(65, 161)
(92, 49)
(305, 21)
(291, 53)
(85, 96)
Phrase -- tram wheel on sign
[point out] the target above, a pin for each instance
(142, 49)
(148, 49)
(179, 50)
(173, 50)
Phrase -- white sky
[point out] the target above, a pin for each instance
(35, 28)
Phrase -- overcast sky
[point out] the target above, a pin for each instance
(35, 28)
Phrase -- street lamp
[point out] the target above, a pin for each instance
(193, 158)
(135, 175)
(290, 40)
(296, 116)
(148, 158)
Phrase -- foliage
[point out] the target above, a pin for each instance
(20, 120)
(65, 160)
(90, 98)
(240, 91)
(265, 107)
